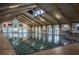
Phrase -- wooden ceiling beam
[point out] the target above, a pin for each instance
(28, 19)
(44, 22)
(23, 21)
(76, 8)
(33, 20)
(36, 18)
(67, 19)
(53, 18)
(8, 18)
(47, 20)
(18, 9)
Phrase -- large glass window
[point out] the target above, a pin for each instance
(56, 30)
(49, 28)
(40, 29)
(14, 29)
(49, 32)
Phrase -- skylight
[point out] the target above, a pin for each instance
(36, 12)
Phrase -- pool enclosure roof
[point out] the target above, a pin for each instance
(34, 14)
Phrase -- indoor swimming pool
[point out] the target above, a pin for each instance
(33, 43)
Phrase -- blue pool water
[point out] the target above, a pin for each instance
(32, 43)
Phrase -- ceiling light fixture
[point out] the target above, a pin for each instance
(57, 16)
(14, 6)
(8, 15)
(33, 21)
(42, 19)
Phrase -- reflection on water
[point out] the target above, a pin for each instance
(31, 43)
(56, 39)
(49, 38)
(33, 35)
(43, 37)
(41, 47)
(16, 34)
(39, 36)
(36, 35)
(16, 41)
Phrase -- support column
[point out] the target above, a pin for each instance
(60, 29)
(52, 34)
(52, 29)
(71, 27)
(34, 29)
(41, 29)
(31, 29)
(46, 29)
(37, 31)
(0, 28)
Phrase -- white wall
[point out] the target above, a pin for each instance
(27, 27)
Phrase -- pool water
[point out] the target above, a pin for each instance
(37, 42)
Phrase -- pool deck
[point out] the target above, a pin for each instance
(72, 49)
(5, 47)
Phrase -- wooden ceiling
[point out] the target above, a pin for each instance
(55, 13)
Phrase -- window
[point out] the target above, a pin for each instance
(9, 24)
(14, 29)
(49, 29)
(56, 39)
(56, 30)
(77, 26)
